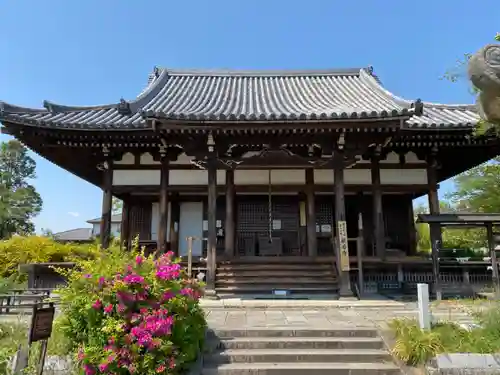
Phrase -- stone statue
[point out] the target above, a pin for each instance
(484, 73)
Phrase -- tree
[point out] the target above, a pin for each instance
(116, 205)
(19, 200)
(477, 189)
(48, 233)
(485, 86)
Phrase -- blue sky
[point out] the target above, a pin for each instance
(95, 52)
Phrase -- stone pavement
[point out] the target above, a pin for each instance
(320, 314)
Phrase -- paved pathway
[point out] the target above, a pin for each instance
(321, 314)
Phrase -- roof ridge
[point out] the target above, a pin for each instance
(71, 230)
(264, 72)
(55, 107)
(465, 107)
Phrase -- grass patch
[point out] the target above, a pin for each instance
(415, 346)
(13, 334)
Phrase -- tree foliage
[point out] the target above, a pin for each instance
(477, 189)
(116, 205)
(19, 200)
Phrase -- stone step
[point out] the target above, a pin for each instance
(328, 296)
(275, 273)
(277, 267)
(249, 289)
(297, 355)
(277, 280)
(303, 333)
(298, 343)
(358, 368)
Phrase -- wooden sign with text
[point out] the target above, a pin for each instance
(41, 323)
(343, 245)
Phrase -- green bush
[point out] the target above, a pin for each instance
(415, 346)
(126, 313)
(37, 249)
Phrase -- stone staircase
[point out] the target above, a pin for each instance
(297, 352)
(300, 278)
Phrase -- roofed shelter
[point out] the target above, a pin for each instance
(485, 220)
(260, 163)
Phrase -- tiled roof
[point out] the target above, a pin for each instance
(447, 116)
(79, 234)
(222, 96)
(117, 218)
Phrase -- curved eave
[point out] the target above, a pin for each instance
(59, 117)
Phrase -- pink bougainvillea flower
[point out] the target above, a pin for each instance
(81, 354)
(187, 292)
(124, 296)
(139, 260)
(168, 272)
(161, 369)
(109, 309)
(102, 281)
(171, 363)
(167, 296)
(89, 370)
(133, 279)
(103, 367)
(169, 253)
(121, 308)
(97, 305)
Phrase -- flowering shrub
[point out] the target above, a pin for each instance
(130, 314)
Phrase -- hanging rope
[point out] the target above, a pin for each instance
(270, 209)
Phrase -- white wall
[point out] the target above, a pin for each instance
(261, 177)
(115, 229)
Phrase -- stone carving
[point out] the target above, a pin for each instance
(484, 73)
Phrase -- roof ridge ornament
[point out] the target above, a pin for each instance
(48, 106)
(418, 107)
(124, 107)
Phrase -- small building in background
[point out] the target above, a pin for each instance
(83, 235)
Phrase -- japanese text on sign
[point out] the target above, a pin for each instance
(343, 246)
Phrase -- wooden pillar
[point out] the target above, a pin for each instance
(212, 225)
(493, 255)
(107, 201)
(163, 209)
(174, 223)
(312, 241)
(412, 250)
(340, 220)
(435, 229)
(229, 231)
(378, 214)
(360, 244)
(125, 225)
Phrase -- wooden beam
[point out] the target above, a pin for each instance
(212, 226)
(312, 243)
(378, 214)
(435, 229)
(345, 289)
(107, 199)
(125, 225)
(162, 222)
(230, 231)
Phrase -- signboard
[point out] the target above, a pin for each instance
(41, 323)
(343, 245)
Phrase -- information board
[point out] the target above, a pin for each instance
(41, 323)
(343, 245)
